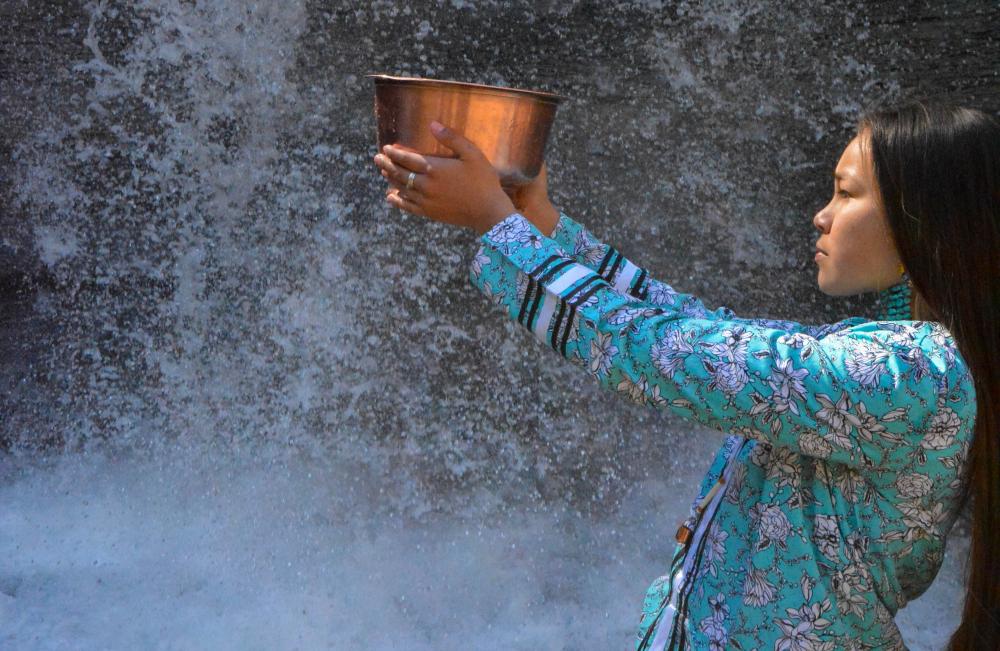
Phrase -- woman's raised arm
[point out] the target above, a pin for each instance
(868, 395)
(631, 279)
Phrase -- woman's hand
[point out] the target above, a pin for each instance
(463, 191)
(533, 202)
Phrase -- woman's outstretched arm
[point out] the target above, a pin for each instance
(864, 396)
(629, 278)
(620, 272)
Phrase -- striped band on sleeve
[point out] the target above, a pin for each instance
(622, 273)
(555, 289)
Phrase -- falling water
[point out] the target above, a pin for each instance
(248, 406)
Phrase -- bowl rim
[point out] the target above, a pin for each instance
(449, 84)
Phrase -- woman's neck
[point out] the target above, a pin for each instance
(894, 303)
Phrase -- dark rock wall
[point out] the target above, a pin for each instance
(196, 250)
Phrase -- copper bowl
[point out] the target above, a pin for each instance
(510, 125)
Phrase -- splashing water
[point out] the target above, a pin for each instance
(218, 441)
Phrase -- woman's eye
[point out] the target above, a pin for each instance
(844, 193)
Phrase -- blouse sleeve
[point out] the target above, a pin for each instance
(859, 396)
(633, 280)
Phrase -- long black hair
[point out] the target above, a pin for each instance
(937, 166)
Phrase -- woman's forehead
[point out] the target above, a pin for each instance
(853, 162)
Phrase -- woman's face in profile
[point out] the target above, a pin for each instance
(859, 255)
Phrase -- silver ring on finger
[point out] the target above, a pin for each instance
(410, 179)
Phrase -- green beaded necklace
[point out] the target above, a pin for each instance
(894, 301)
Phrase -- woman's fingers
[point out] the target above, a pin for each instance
(396, 176)
(393, 184)
(398, 184)
(403, 204)
(393, 172)
(410, 160)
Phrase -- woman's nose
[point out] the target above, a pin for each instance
(820, 221)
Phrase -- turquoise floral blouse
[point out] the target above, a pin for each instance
(845, 452)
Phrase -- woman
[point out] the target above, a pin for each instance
(852, 446)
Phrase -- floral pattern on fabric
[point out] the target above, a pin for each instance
(837, 512)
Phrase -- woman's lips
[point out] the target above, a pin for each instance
(819, 254)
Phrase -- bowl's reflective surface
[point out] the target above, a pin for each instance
(510, 126)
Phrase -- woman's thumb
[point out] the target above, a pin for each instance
(453, 141)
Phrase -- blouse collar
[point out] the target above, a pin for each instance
(894, 302)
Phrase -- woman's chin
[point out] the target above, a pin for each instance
(839, 291)
(829, 288)
(822, 284)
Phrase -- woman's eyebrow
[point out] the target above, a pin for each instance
(849, 177)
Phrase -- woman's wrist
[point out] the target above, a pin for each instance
(545, 217)
(499, 210)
